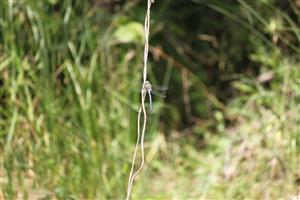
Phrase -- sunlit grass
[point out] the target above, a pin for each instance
(65, 132)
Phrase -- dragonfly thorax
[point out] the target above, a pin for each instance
(147, 89)
(147, 86)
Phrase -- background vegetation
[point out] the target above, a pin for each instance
(228, 129)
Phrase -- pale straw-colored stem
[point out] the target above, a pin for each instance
(142, 139)
(138, 141)
(141, 134)
(146, 47)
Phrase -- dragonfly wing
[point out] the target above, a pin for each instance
(157, 93)
(160, 87)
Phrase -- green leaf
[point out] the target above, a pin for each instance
(131, 32)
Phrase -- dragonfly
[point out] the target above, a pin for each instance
(155, 90)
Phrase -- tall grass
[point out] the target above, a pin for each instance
(68, 115)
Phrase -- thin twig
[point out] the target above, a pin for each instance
(134, 156)
(141, 134)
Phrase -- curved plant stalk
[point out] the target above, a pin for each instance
(141, 133)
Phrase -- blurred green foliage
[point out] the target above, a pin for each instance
(229, 127)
